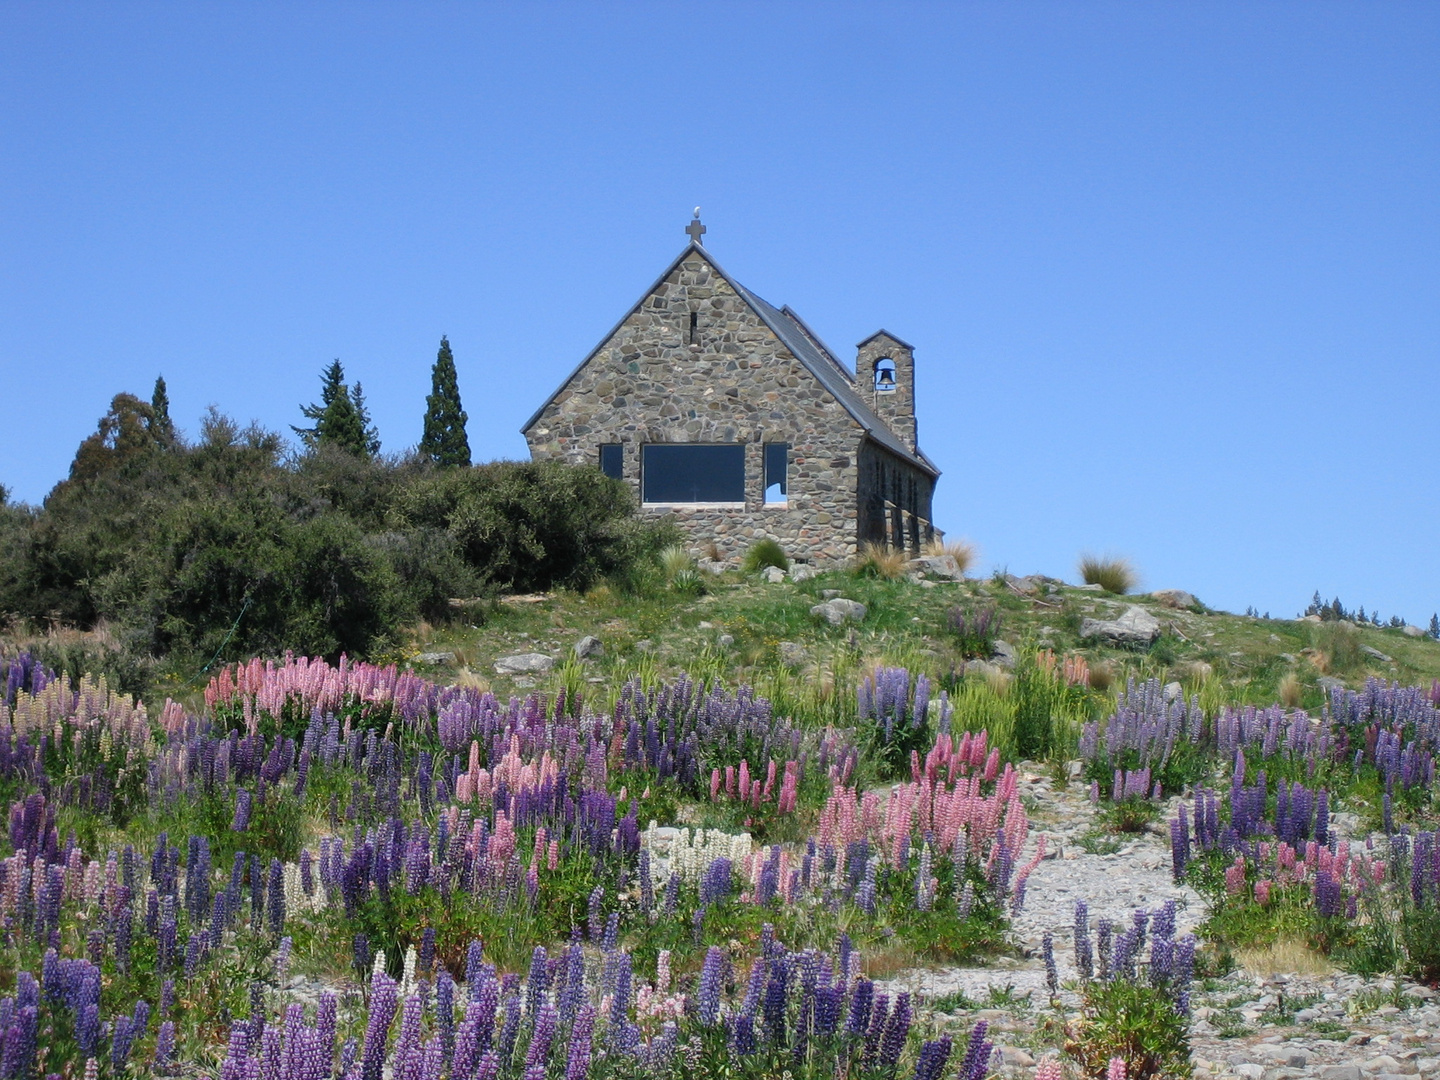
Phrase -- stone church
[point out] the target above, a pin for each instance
(733, 416)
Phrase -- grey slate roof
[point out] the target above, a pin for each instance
(802, 343)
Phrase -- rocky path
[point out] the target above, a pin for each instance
(1256, 1027)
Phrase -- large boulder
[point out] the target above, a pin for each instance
(1003, 653)
(1175, 598)
(839, 611)
(1135, 627)
(523, 664)
(936, 566)
(589, 646)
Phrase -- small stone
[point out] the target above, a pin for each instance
(1328, 683)
(829, 594)
(773, 574)
(1250, 1070)
(1340, 1072)
(1173, 690)
(1376, 654)
(983, 668)
(1421, 993)
(800, 572)
(1013, 1055)
(645, 645)
(589, 646)
(725, 641)
(523, 663)
(940, 566)
(839, 611)
(436, 658)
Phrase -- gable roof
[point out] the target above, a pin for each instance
(802, 343)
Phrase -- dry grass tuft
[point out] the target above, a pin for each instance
(877, 560)
(1102, 676)
(962, 551)
(1287, 956)
(1111, 572)
(711, 551)
(1289, 690)
(467, 678)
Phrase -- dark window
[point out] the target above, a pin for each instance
(777, 472)
(694, 327)
(885, 376)
(612, 460)
(686, 473)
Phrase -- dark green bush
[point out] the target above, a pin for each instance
(227, 547)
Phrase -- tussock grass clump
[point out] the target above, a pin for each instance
(1111, 572)
(765, 553)
(877, 560)
(962, 551)
(674, 559)
(1290, 955)
(1338, 647)
(1289, 690)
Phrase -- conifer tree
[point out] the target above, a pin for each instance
(337, 422)
(444, 441)
(162, 428)
(1435, 626)
(369, 432)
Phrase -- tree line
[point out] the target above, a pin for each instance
(235, 543)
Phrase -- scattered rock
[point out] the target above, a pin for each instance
(1172, 691)
(711, 566)
(773, 574)
(792, 654)
(725, 641)
(1340, 1072)
(981, 668)
(1329, 682)
(1135, 626)
(1413, 631)
(1309, 618)
(1371, 651)
(800, 572)
(839, 611)
(523, 663)
(1003, 653)
(1178, 599)
(589, 646)
(829, 594)
(645, 645)
(1091, 588)
(1289, 658)
(436, 658)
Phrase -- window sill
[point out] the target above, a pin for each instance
(693, 506)
(777, 506)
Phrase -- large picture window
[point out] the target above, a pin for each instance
(690, 473)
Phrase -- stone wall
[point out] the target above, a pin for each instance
(735, 382)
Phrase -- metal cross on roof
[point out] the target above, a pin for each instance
(695, 230)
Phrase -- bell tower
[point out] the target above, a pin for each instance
(885, 378)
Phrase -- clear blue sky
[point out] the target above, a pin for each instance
(1172, 270)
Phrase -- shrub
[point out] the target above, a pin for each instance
(877, 560)
(763, 553)
(674, 559)
(1338, 646)
(1110, 572)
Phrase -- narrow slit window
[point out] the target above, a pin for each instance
(691, 473)
(777, 473)
(612, 461)
(694, 327)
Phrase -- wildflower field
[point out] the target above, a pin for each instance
(318, 870)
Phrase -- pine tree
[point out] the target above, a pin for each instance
(337, 421)
(444, 441)
(369, 431)
(1435, 626)
(162, 428)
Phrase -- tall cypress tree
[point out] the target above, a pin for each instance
(444, 441)
(162, 428)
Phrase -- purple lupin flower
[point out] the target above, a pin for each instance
(711, 974)
(384, 996)
(577, 1064)
(976, 1062)
(896, 1029)
(934, 1054)
(1052, 976)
